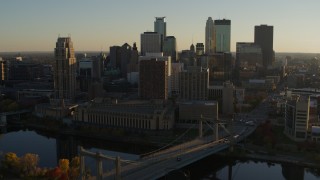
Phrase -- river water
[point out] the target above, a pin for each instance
(50, 148)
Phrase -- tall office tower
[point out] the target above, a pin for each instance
(133, 66)
(134, 54)
(210, 37)
(160, 26)
(65, 72)
(194, 83)
(223, 35)
(263, 35)
(170, 47)
(115, 56)
(151, 42)
(199, 49)
(125, 58)
(154, 77)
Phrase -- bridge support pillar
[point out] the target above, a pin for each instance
(118, 168)
(217, 131)
(99, 166)
(231, 147)
(200, 128)
(4, 119)
(82, 173)
(230, 172)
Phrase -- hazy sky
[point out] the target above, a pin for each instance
(34, 25)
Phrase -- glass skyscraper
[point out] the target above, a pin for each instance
(223, 35)
(209, 39)
(160, 26)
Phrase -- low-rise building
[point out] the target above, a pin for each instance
(190, 112)
(143, 115)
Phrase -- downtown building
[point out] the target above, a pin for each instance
(133, 66)
(248, 61)
(154, 76)
(127, 115)
(199, 49)
(222, 30)
(220, 67)
(263, 36)
(210, 37)
(297, 118)
(160, 27)
(194, 83)
(119, 58)
(65, 70)
(89, 75)
(170, 47)
(61, 104)
(151, 42)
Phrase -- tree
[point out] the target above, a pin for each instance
(29, 164)
(11, 161)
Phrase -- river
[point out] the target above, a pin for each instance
(50, 147)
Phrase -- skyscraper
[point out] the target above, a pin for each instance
(170, 47)
(151, 42)
(115, 56)
(160, 26)
(263, 35)
(223, 35)
(65, 72)
(210, 37)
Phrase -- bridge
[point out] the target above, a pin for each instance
(4, 115)
(158, 163)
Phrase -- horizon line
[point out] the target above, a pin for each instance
(108, 51)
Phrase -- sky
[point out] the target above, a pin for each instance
(95, 25)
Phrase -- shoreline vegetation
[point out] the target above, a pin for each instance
(26, 167)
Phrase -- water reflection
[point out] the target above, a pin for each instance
(51, 147)
(67, 147)
(217, 167)
(292, 172)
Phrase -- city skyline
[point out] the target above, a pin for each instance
(95, 25)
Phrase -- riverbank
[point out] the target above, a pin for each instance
(154, 139)
(296, 159)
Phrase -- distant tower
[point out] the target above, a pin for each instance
(223, 35)
(199, 49)
(160, 26)
(263, 36)
(65, 72)
(192, 48)
(134, 54)
(210, 39)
